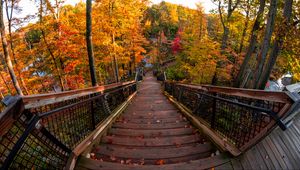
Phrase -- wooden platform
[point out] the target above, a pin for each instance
(152, 134)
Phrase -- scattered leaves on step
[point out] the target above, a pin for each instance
(141, 137)
(88, 155)
(160, 162)
(128, 161)
(157, 121)
(184, 118)
(92, 156)
(122, 161)
(142, 162)
(177, 145)
(213, 168)
(113, 158)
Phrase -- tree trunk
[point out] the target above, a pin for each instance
(89, 41)
(246, 26)
(230, 8)
(266, 42)
(281, 34)
(252, 43)
(6, 54)
(225, 38)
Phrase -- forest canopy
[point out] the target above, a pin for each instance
(241, 43)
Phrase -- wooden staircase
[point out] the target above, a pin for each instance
(152, 134)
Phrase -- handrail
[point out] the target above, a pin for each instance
(241, 116)
(43, 99)
(267, 111)
(242, 92)
(52, 125)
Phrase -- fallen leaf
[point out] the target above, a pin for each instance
(128, 161)
(160, 162)
(122, 161)
(177, 145)
(113, 158)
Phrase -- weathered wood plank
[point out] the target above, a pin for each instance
(206, 163)
(236, 164)
(156, 153)
(151, 142)
(267, 155)
(152, 133)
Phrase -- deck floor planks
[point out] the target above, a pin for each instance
(268, 152)
(265, 157)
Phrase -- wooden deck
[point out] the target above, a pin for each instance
(153, 134)
(279, 150)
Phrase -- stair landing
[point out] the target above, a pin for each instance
(152, 134)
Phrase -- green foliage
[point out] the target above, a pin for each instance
(175, 73)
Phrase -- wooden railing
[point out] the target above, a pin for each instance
(41, 131)
(236, 117)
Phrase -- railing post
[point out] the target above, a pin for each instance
(213, 117)
(93, 113)
(105, 104)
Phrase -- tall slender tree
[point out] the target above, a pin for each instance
(6, 53)
(231, 6)
(261, 59)
(89, 41)
(252, 43)
(278, 42)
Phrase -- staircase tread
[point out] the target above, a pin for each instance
(157, 141)
(152, 132)
(205, 163)
(152, 153)
(161, 125)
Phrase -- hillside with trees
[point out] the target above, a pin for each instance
(242, 43)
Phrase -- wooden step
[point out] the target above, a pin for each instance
(152, 153)
(205, 163)
(151, 107)
(152, 161)
(148, 113)
(151, 126)
(152, 120)
(149, 142)
(152, 133)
